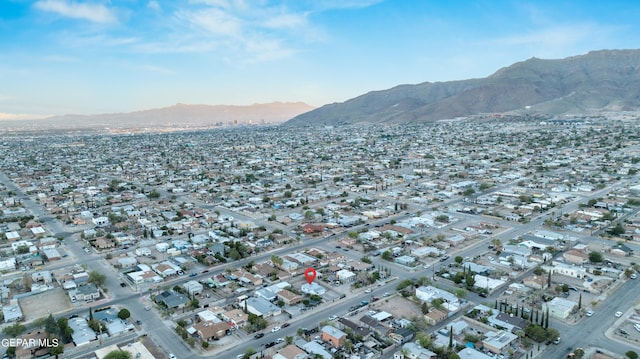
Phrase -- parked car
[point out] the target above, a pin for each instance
(589, 313)
(285, 325)
(618, 314)
(275, 329)
(258, 336)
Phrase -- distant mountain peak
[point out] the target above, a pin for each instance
(176, 117)
(602, 80)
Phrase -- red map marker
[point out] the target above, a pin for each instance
(310, 274)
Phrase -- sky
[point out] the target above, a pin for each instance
(103, 56)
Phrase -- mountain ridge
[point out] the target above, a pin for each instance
(598, 80)
(179, 117)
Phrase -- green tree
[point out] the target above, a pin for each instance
(425, 308)
(277, 261)
(57, 350)
(124, 314)
(458, 259)
(631, 354)
(97, 278)
(595, 257)
(617, 230)
(118, 354)
(153, 194)
(386, 255)
(580, 302)
(470, 280)
(14, 330)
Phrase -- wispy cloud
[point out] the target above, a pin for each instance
(286, 21)
(558, 40)
(86, 11)
(60, 58)
(153, 5)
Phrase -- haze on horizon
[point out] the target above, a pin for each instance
(88, 57)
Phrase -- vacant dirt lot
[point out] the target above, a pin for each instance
(397, 306)
(45, 303)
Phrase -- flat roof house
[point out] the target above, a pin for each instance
(333, 335)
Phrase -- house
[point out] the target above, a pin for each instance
(435, 316)
(290, 352)
(51, 254)
(499, 342)
(345, 276)
(415, 351)
(171, 299)
(87, 292)
(236, 317)
(315, 350)
(192, 287)
(12, 313)
(309, 228)
(575, 256)
(143, 252)
(621, 249)
(212, 331)
(166, 268)
(289, 297)
(333, 335)
(261, 307)
(266, 293)
(313, 288)
(470, 353)
(42, 276)
(508, 321)
(429, 293)
(82, 334)
(357, 330)
(559, 307)
(535, 281)
(126, 262)
(117, 326)
(405, 260)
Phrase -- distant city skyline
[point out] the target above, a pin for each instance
(77, 57)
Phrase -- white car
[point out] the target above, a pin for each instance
(275, 329)
(368, 291)
(333, 317)
(171, 356)
(618, 314)
(633, 276)
(589, 313)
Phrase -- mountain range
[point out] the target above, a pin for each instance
(606, 80)
(172, 118)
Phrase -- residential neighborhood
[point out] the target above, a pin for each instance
(490, 237)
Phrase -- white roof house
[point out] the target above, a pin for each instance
(559, 307)
(313, 288)
(12, 313)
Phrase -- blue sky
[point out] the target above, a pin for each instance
(100, 56)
